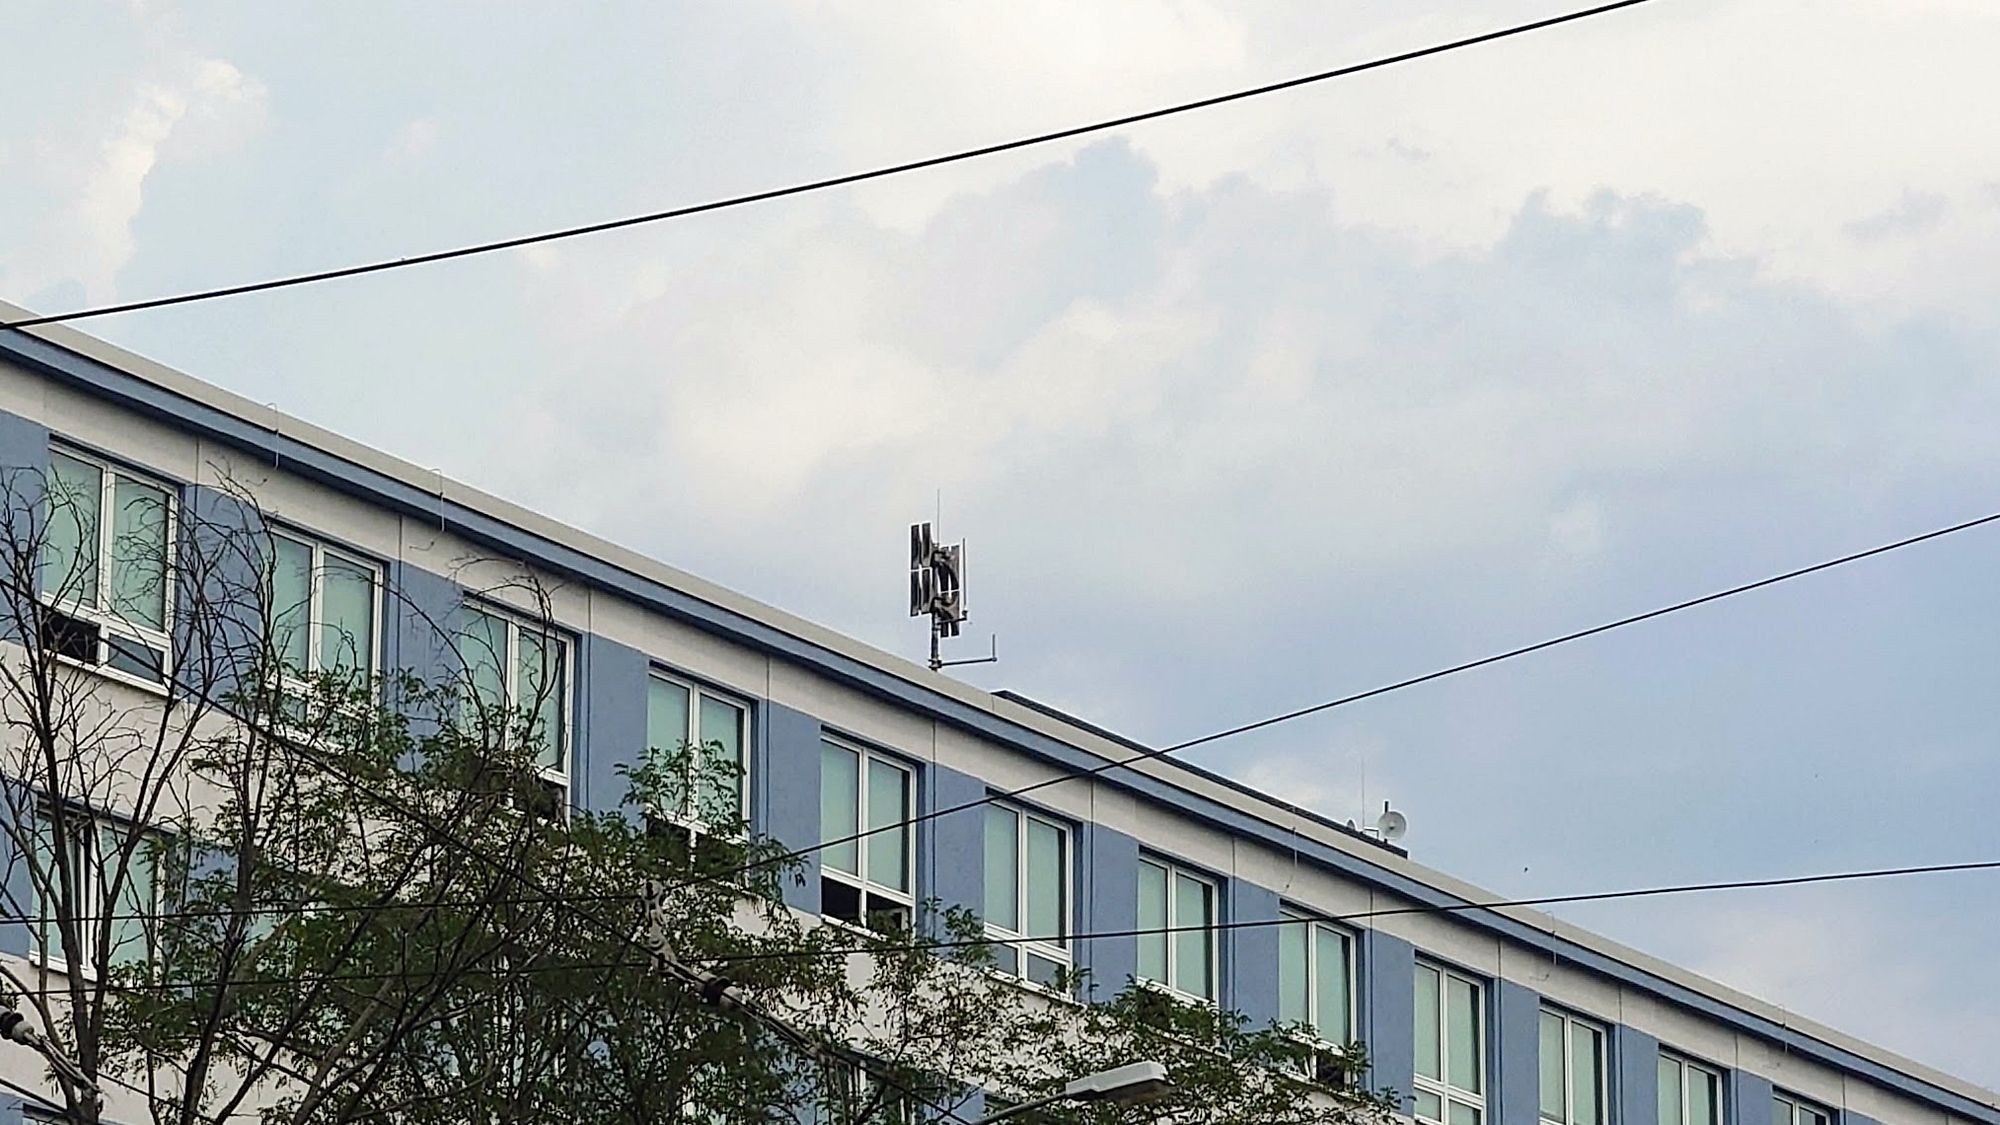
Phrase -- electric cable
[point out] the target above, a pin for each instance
(881, 947)
(845, 179)
(1374, 692)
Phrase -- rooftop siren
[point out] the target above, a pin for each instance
(937, 590)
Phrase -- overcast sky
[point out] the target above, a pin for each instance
(1238, 411)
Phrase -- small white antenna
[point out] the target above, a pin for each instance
(1391, 825)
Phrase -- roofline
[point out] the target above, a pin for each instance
(148, 387)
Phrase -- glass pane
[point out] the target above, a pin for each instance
(1043, 971)
(1330, 961)
(1294, 989)
(1194, 905)
(1462, 1019)
(139, 553)
(1430, 1038)
(1152, 918)
(1429, 1107)
(1586, 1065)
(1670, 1092)
(667, 706)
(888, 807)
(839, 806)
(1047, 886)
(134, 903)
(347, 610)
(1002, 857)
(482, 648)
(69, 539)
(1781, 1112)
(1550, 1051)
(1703, 1103)
(291, 603)
(722, 763)
(1462, 1114)
(542, 686)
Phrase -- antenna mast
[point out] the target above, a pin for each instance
(937, 590)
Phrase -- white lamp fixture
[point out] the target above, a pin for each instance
(1125, 1085)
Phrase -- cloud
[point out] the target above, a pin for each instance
(1915, 213)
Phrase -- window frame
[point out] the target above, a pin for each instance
(1174, 871)
(1798, 1110)
(315, 623)
(1312, 924)
(1571, 1024)
(100, 614)
(1685, 1066)
(45, 946)
(1442, 1087)
(859, 880)
(554, 777)
(1061, 953)
(688, 817)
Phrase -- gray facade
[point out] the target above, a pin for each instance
(629, 618)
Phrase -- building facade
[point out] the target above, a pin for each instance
(1476, 1015)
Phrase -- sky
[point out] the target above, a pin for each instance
(1237, 412)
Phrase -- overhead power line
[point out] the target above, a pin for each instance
(937, 944)
(809, 186)
(1374, 692)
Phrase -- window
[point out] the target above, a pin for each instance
(1573, 1070)
(1027, 893)
(91, 849)
(103, 567)
(866, 881)
(710, 790)
(522, 669)
(1690, 1094)
(1788, 1110)
(1316, 978)
(1178, 909)
(1451, 1047)
(323, 609)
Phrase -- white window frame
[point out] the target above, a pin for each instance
(906, 899)
(1572, 1024)
(556, 778)
(688, 816)
(1059, 951)
(1685, 1067)
(315, 610)
(1441, 1087)
(1312, 926)
(87, 829)
(1173, 984)
(1796, 1110)
(101, 614)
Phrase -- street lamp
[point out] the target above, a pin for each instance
(1125, 1085)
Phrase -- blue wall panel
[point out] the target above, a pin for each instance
(784, 794)
(1250, 956)
(1389, 1012)
(1635, 1076)
(420, 615)
(1108, 889)
(24, 458)
(1749, 1099)
(611, 722)
(1516, 1056)
(952, 847)
(1849, 1117)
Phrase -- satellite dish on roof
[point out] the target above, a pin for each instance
(1392, 825)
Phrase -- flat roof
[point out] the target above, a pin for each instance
(152, 388)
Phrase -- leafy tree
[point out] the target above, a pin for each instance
(261, 891)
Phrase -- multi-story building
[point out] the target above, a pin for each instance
(1477, 1015)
